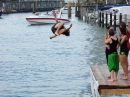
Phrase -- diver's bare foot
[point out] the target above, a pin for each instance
(51, 37)
(111, 80)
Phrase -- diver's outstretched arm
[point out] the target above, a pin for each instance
(55, 16)
(53, 36)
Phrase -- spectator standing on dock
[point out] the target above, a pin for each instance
(123, 24)
(113, 60)
(105, 38)
(128, 36)
(123, 52)
(107, 45)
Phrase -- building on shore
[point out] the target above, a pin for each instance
(31, 5)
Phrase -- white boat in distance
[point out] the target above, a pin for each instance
(46, 18)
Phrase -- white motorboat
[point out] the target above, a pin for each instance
(46, 18)
(64, 10)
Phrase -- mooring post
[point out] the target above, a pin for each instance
(114, 22)
(120, 18)
(110, 19)
(34, 7)
(100, 18)
(69, 9)
(106, 19)
(125, 18)
(103, 19)
(76, 5)
(5, 7)
(87, 19)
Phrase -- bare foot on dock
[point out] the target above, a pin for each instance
(124, 78)
(111, 80)
(115, 79)
(109, 76)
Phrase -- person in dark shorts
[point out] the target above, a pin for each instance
(124, 52)
(59, 28)
(123, 24)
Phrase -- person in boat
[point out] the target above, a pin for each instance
(113, 60)
(59, 28)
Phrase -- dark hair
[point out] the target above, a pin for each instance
(109, 26)
(123, 24)
(111, 32)
(123, 30)
(66, 33)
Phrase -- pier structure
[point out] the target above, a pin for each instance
(87, 7)
(100, 85)
(30, 5)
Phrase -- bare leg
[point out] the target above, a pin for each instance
(65, 29)
(58, 26)
(112, 76)
(52, 36)
(109, 76)
(115, 77)
(127, 64)
(124, 67)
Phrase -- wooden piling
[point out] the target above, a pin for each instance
(110, 19)
(34, 7)
(69, 9)
(100, 19)
(114, 22)
(87, 19)
(103, 19)
(5, 8)
(120, 18)
(106, 19)
(76, 9)
(125, 18)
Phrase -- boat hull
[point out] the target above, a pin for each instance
(37, 20)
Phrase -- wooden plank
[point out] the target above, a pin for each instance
(122, 83)
(115, 91)
(98, 76)
(105, 72)
(121, 75)
(119, 82)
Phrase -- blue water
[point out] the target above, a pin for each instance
(33, 65)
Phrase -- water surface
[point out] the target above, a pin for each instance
(33, 65)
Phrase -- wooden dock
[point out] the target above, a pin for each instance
(101, 86)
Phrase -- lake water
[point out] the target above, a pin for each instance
(33, 65)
